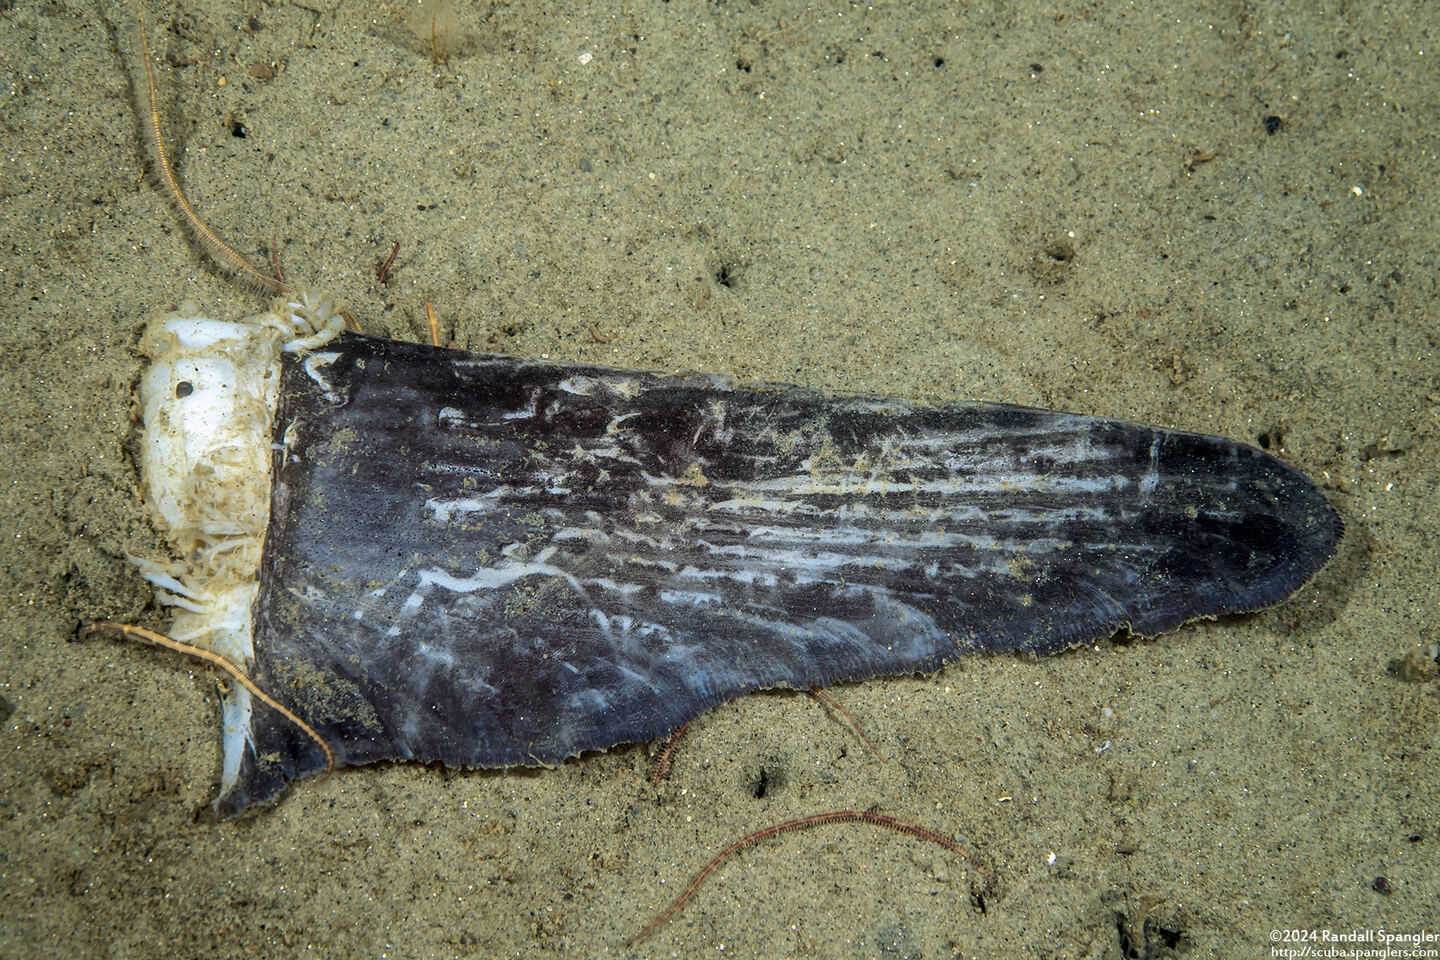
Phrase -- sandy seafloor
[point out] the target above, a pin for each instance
(1003, 201)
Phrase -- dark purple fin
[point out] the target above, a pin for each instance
(487, 562)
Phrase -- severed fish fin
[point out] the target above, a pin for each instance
(489, 562)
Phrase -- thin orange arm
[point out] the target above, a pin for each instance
(801, 823)
(132, 632)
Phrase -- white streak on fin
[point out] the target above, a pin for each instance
(314, 363)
